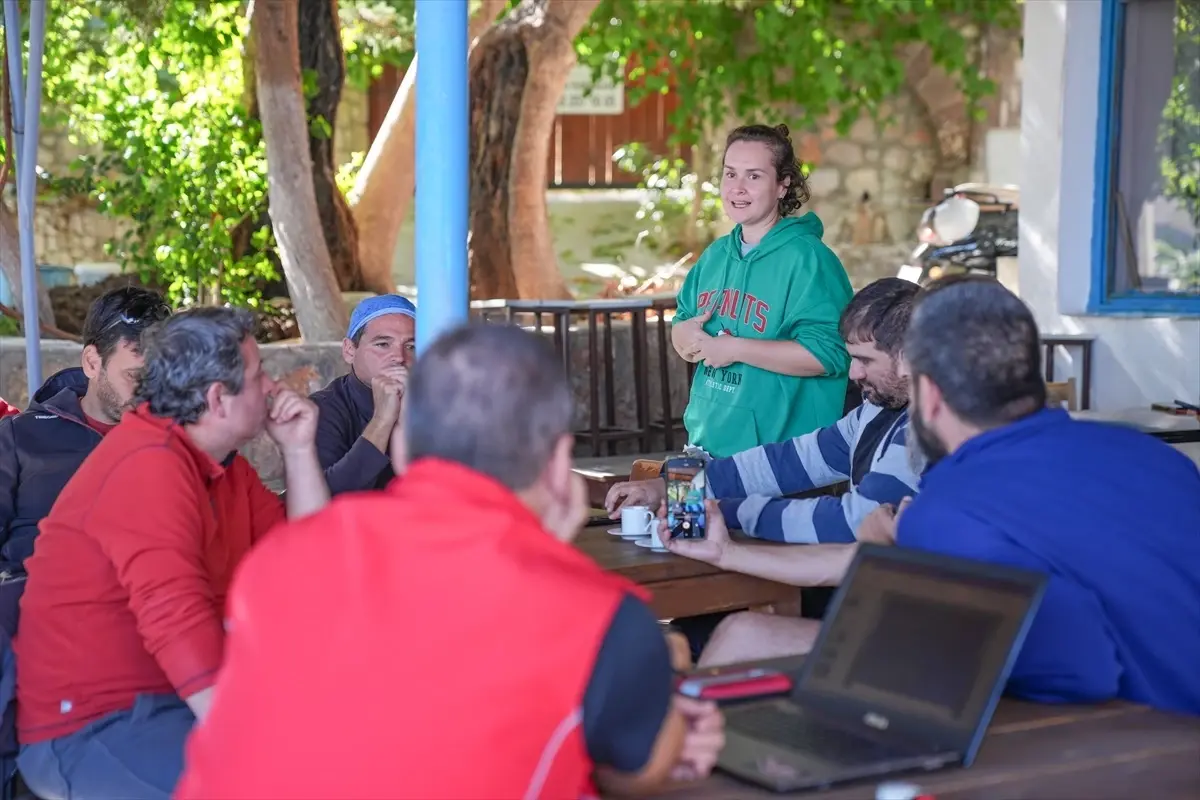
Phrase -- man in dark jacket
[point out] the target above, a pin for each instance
(359, 410)
(41, 448)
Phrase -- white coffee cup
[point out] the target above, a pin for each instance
(638, 521)
(656, 542)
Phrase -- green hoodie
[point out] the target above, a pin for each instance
(790, 286)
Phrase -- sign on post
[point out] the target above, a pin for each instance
(583, 97)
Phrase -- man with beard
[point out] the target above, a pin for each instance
(1109, 513)
(122, 628)
(42, 448)
(866, 448)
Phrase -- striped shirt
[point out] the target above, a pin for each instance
(753, 486)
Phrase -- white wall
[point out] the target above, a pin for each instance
(1137, 360)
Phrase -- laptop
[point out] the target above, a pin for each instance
(905, 674)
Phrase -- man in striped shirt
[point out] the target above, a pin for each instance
(867, 448)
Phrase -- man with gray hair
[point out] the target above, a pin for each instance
(121, 632)
(513, 664)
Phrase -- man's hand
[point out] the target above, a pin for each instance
(711, 549)
(703, 741)
(649, 493)
(398, 448)
(566, 516)
(387, 390)
(717, 351)
(292, 421)
(879, 527)
(398, 374)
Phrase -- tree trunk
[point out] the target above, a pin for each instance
(518, 73)
(10, 262)
(321, 54)
(295, 215)
(383, 190)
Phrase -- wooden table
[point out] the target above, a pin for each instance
(601, 473)
(1172, 428)
(1040, 752)
(680, 586)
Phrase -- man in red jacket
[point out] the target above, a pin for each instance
(6, 410)
(441, 638)
(121, 621)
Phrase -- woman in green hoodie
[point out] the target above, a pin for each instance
(759, 311)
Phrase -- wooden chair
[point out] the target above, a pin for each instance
(645, 469)
(1061, 394)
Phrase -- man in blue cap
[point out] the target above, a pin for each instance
(360, 409)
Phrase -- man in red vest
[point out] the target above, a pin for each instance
(441, 638)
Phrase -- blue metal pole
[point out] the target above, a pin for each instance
(16, 74)
(27, 196)
(441, 167)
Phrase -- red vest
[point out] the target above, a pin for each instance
(429, 641)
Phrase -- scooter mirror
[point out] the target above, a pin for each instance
(955, 218)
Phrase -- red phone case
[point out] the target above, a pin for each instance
(738, 685)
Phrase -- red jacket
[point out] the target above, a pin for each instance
(429, 641)
(6, 410)
(127, 584)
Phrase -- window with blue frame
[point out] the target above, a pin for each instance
(1147, 217)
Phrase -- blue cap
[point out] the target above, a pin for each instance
(379, 306)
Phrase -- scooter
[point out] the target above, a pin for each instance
(974, 225)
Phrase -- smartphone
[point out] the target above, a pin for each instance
(740, 685)
(685, 498)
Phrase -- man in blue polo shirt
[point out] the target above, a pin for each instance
(359, 410)
(1112, 515)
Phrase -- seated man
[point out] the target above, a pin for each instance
(121, 630)
(505, 662)
(1109, 513)
(42, 448)
(867, 447)
(360, 409)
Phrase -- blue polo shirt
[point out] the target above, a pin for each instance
(1113, 517)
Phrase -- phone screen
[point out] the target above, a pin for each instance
(685, 498)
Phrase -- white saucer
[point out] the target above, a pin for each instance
(648, 543)
(623, 535)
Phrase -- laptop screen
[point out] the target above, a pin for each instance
(919, 643)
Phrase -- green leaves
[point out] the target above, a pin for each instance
(799, 60)
(156, 101)
(376, 33)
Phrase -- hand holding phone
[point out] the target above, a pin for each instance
(686, 493)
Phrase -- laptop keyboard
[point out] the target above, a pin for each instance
(795, 731)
